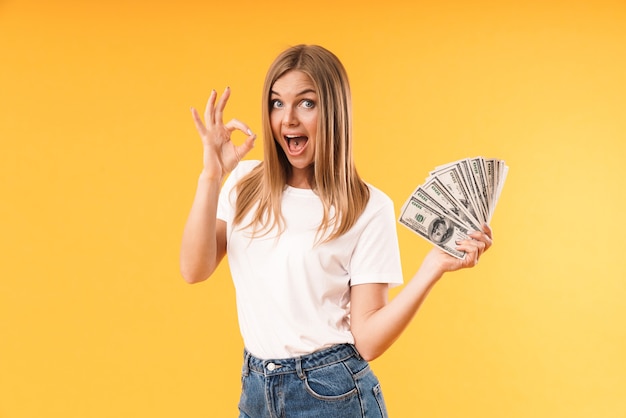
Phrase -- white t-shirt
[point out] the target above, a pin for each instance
(293, 295)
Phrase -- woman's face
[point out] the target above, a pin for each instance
(293, 118)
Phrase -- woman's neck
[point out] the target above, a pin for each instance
(301, 178)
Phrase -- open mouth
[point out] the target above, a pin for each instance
(296, 143)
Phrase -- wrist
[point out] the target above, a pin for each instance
(431, 269)
(210, 177)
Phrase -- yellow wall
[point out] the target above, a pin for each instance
(99, 160)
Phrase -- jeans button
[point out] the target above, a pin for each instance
(271, 367)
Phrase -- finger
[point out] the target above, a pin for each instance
(246, 147)
(197, 121)
(487, 230)
(209, 111)
(481, 247)
(474, 253)
(488, 242)
(488, 236)
(473, 250)
(236, 124)
(482, 237)
(243, 149)
(221, 104)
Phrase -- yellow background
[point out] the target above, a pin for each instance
(99, 161)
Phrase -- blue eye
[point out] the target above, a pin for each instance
(274, 104)
(309, 104)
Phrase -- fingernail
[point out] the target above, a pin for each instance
(249, 131)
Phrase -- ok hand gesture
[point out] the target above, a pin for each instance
(221, 155)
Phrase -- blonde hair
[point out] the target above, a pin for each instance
(343, 193)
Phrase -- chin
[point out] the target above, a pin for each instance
(299, 164)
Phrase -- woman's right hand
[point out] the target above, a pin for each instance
(221, 155)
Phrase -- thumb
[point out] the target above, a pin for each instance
(247, 145)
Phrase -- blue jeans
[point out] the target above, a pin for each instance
(331, 383)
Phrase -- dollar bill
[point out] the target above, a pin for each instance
(455, 198)
(490, 176)
(436, 191)
(432, 225)
(504, 170)
(480, 182)
(453, 180)
(472, 187)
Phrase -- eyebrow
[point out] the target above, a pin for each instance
(302, 93)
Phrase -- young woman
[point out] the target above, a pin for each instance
(312, 248)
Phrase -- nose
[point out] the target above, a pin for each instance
(289, 117)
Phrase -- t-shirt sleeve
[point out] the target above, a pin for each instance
(227, 198)
(376, 257)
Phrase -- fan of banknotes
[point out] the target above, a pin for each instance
(455, 198)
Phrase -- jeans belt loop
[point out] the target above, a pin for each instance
(356, 352)
(299, 369)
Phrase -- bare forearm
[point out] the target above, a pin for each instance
(199, 248)
(378, 330)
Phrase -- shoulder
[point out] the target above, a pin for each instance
(243, 168)
(378, 199)
(379, 206)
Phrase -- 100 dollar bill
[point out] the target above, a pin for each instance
(435, 195)
(431, 225)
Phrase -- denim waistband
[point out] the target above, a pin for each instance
(321, 358)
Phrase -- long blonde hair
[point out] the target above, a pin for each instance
(343, 193)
